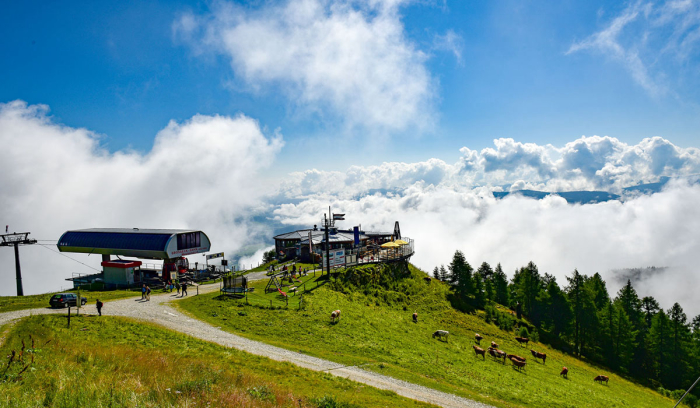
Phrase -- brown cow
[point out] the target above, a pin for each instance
(427, 279)
(478, 338)
(498, 354)
(513, 356)
(494, 345)
(517, 363)
(415, 317)
(539, 355)
(602, 378)
(478, 350)
(522, 340)
(335, 315)
(564, 372)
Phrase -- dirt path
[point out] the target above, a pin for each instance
(157, 311)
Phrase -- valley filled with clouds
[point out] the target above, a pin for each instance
(212, 173)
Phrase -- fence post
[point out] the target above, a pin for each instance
(270, 303)
(69, 316)
(286, 300)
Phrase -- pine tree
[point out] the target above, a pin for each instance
(584, 318)
(443, 273)
(487, 275)
(500, 283)
(679, 353)
(601, 298)
(650, 307)
(558, 309)
(436, 273)
(461, 275)
(658, 342)
(479, 294)
(527, 284)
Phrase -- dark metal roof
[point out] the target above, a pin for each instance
(148, 243)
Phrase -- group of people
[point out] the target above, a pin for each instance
(145, 292)
(170, 285)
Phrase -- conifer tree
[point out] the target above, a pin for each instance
(461, 275)
(500, 284)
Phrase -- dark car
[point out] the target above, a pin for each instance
(66, 299)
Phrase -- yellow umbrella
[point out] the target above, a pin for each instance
(401, 242)
(391, 244)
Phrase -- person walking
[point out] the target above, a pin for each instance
(99, 304)
(148, 293)
(184, 288)
(143, 291)
(177, 286)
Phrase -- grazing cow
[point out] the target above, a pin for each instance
(539, 355)
(478, 338)
(427, 279)
(441, 334)
(335, 315)
(494, 345)
(415, 317)
(517, 363)
(602, 378)
(564, 372)
(522, 340)
(478, 350)
(513, 356)
(498, 354)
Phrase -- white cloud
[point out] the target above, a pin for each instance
(649, 39)
(660, 230)
(200, 174)
(349, 59)
(587, 163)
(451, 42)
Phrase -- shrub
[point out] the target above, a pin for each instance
(329, 401)
(524, 332)
(262, 392)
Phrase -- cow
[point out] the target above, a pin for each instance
(522, 340)
(428, 279)
(602, 378)
(478, 338)
(335, 315)
(564, 372)
(441, 334)
(539, 355)
(497, 354)
(415, 317)
(478, 350)
(518, 363)
(513, 356)
(494, 345)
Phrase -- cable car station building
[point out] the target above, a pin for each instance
(168, 245)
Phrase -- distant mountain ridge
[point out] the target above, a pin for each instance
(589, 197)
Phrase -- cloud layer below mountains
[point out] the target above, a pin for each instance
(204, 173)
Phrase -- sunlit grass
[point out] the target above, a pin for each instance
(10, 303)
(116, 362)
(377, 332)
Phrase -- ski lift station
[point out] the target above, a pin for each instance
(168, 245)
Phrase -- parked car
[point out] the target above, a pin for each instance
(65, 299)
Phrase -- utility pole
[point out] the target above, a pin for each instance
(326, 223)
(16, 240)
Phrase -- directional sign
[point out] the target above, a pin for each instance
(212, 256)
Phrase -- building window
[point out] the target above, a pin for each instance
(188, 240)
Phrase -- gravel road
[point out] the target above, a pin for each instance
(158, 311)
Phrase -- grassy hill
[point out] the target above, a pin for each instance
(376, 332)
(10, 303)
(116, 362)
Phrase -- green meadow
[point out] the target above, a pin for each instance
(10, 303)
(116, 362)
(376, 332)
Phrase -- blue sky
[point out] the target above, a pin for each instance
(118, 69)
